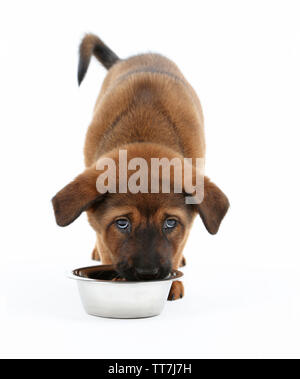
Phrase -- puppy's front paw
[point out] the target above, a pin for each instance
(177, 291)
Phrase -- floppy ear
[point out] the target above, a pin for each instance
(213, 207)
(76, 197)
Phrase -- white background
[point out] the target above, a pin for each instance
(242, 285)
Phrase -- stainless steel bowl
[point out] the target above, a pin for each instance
(121, 299)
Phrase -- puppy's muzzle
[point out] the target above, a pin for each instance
(146, 273)
(143, 272)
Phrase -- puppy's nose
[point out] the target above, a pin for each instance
(147, 273)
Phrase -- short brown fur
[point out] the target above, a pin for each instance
(147, 107)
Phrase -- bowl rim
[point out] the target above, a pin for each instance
(176, 274)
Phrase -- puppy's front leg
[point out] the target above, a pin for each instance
(96, 255)
(176, 291)
(183, 262)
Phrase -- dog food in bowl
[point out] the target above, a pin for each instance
(105, 294)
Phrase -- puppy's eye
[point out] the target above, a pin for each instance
(170, 223)
(123, 224)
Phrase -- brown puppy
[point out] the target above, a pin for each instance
(147, 108)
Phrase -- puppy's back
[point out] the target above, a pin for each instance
(127, 84)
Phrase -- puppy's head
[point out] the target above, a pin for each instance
(142, 234)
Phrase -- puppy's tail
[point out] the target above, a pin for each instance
(92, 45)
